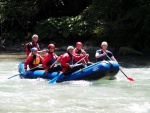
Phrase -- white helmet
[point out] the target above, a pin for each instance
(70, 47)
(34, 36)
(104, 43)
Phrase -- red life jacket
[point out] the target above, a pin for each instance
(28, 46)
(67, 59)
(49, 59)
(77, 52)
(33, 61)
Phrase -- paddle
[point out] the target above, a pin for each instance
(131, 79)
(40, 65)
(53, 81)
(54, 63)
(13, 76)
(28, 70)
(56, 78)
(81, 59)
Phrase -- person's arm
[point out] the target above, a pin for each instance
(29, 46)
(63, 61)
(30, 54)
(77, 58)
(97, 55)
(27, 62)
(45, 60)
(113, 58)
(42, 51)
(41, 58)
(83, 52)
(56, 56)
(39, 50)
(74, 52)
(38, 47)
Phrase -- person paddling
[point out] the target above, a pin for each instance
(30, 45)
(78, 51)
(33, 60)
(49, 58)
(102, 53)
(67, 61)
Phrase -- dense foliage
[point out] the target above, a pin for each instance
(123, 23)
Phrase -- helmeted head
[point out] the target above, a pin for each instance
(79, 45)
(35, 38)
(70, 49)
(51, 47)
(104, 45)
(34, 50)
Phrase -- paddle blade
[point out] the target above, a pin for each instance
(131, 79)
(13, 76)
(53, 81)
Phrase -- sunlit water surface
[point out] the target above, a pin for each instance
(102, 96)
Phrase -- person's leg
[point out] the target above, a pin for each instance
(59, 67)
(89, 63)
(56, 68)
(75, 68)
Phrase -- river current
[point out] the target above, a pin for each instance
(102, 96)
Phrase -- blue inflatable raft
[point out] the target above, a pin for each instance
(95, 71)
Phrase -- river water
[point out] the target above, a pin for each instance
(102, 96)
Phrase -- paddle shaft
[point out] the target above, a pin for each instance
(119, 67)
(19, 74)
(35, 67)
(80, 60)
(57, 77)
(54, 63)
(13, 76)
(41, 65)
(121, 70)
(54, 79)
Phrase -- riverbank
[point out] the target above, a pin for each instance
(124, 61)
(20, 48)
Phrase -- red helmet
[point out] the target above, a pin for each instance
(78, 43)
(51, 46)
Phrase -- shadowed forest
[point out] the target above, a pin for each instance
(124, 24)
